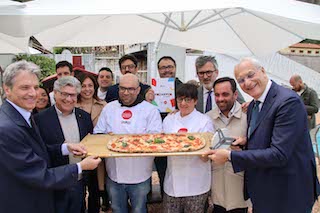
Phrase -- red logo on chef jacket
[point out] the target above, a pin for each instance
(127, 114)
(183, 130)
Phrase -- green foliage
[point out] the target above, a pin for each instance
(58, 50)
(47, 65)
(311, 41)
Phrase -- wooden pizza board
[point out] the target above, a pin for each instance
(97, 146)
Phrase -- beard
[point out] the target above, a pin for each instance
(208, 86)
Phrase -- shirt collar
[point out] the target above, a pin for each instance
(60, 113)
(205, 91)
(262, 98)
(25, 113)
(231, 112)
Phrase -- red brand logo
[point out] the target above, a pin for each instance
(127, 114)
(183, 130)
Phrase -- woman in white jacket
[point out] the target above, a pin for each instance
(188, 178)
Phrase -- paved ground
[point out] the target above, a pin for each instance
(156, 207)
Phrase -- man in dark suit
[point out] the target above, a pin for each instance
(127, 64)
(207, 71)
(279, 162)
(27, 178)
(67, 124)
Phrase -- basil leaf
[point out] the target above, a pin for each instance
(190, 137)
(159, 140)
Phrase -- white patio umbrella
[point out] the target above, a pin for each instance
(13, 45)
(245, 27)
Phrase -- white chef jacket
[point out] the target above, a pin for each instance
(139, 119)
(187, 175)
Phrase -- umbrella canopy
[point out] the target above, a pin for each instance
(230, 27)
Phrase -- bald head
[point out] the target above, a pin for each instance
(296, 83)
(129, 77)
(129, 88)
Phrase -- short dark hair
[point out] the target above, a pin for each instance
(106, 69)
(64, 64)
(128, 57)
(167, 58)
(188, 90)
(226, 79)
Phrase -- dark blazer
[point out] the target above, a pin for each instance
(51, 131)
(311, 103)
(200, 102)
(279, 162)
(26, 179)
(113, 92)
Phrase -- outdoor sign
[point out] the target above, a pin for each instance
(164, 94)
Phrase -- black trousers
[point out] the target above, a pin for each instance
(161, 165)
(220, 209)
(93, 189)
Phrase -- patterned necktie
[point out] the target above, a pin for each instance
(209, 102)
(254, 116)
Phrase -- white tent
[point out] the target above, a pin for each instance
(279, 68)
(233, 27)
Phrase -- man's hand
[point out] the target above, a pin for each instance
(219, 156)
(239, 143)
(90, 163)
(77, 149)
(149, 95)
(244, 106)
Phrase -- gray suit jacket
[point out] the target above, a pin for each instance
(200, 102)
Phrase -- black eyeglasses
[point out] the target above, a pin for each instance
(208, 72)
(65, 95)
(130, 67)
(187, 100)
(129, 89)
(169, 67)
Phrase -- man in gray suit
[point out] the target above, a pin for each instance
(207, 71)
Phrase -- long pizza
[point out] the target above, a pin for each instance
(148, 143)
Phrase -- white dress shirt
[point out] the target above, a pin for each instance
(101, 95)
(187, 175)
(263, 97)
(140, 119)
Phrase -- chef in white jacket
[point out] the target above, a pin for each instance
(188, 178)
(129, 177)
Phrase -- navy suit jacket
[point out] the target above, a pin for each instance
(51, 131)
(26, 181)
(113, 92)
(279, 162)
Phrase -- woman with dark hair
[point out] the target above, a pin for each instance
(89, 102)
(43, 100)
(188, 178)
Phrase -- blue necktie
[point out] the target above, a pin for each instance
(254, 116)
(209, 102)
